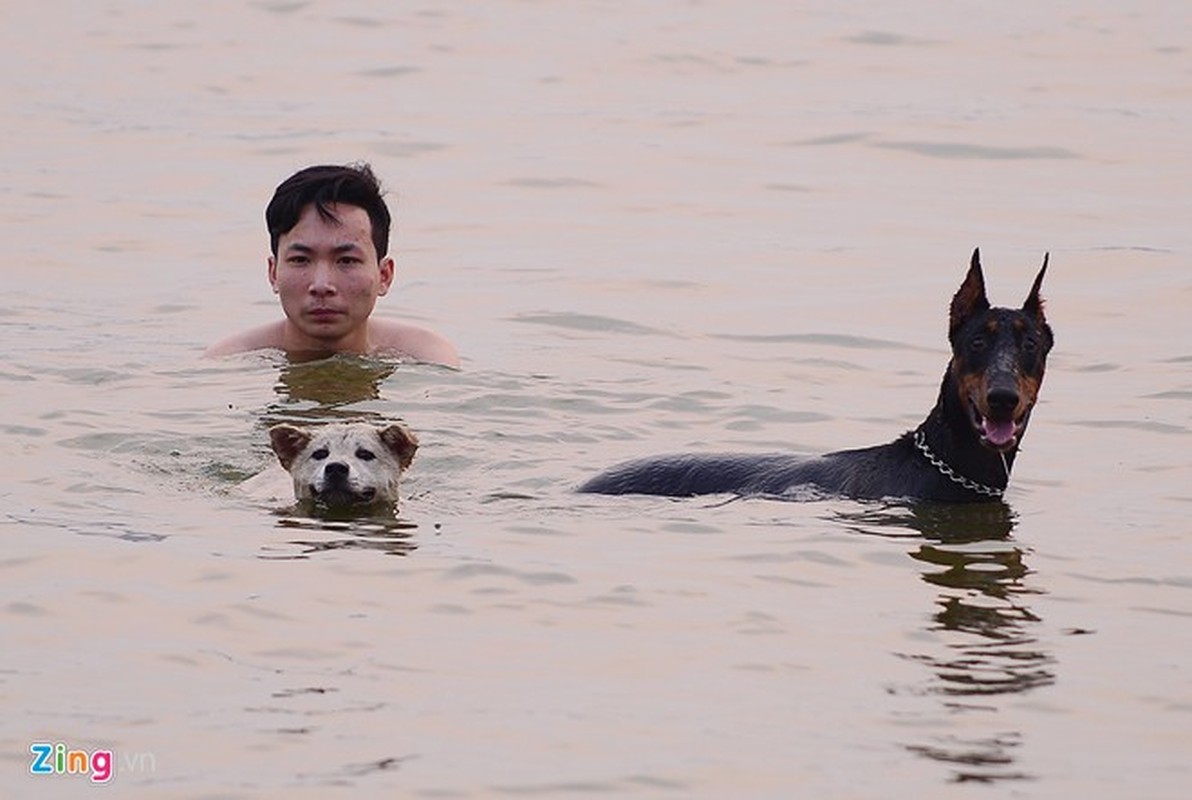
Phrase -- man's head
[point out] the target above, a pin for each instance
(326, 186)
(329, 231)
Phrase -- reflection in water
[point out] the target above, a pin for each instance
(324, 390)
(385, 533)
(981, 760)
(327, 390)
(981, 619)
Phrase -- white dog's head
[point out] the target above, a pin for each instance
(345, 464)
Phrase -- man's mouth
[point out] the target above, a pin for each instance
(324, 314)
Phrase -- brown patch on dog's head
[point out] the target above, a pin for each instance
(1028, 390)
(975, 388)
(970, 386)
(402, 442)
(287, 442)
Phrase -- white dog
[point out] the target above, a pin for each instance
(344, 465)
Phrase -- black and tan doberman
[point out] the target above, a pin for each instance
(962, 452)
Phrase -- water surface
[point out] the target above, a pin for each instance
(649, 228)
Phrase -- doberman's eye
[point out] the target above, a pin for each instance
(365, 455)
(1030, 344)
(977, 344)
(320, 454)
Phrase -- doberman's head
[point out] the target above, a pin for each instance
(998, 356)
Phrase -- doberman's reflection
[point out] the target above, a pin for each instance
(987, 646)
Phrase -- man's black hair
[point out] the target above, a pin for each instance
(324, 186)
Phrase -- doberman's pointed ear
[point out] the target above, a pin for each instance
(970, 299)
(1033, 307)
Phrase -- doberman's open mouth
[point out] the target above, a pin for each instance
(999, 435)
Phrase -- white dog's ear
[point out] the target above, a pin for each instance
(288, 441)
(401, 441)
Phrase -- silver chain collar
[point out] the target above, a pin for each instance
(944, 469)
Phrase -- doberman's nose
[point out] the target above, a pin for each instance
(1002, 401)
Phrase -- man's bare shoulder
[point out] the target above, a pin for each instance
(384, 336)
(414, 341)
(269, 335)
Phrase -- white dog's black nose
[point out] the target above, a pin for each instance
(336, 472)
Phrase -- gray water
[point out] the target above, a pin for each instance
(649, 228)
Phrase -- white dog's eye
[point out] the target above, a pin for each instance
(320, 454)
(365, 455)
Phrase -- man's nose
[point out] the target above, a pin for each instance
(322, 281)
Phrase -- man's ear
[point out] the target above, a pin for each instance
(273, 272)
(387, 267)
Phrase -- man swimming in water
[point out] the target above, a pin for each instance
(329, 238)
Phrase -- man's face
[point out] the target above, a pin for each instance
(329, 278)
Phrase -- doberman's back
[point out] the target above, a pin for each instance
(891, 470)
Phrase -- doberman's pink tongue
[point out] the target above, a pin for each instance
(998, 434)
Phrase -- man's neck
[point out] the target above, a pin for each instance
(295, 341)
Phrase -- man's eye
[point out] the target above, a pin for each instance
(320, 454)
(365, 455)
